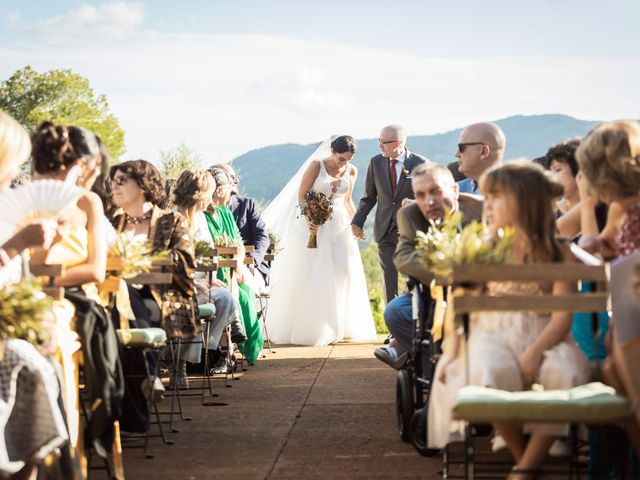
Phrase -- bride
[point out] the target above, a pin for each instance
(318, 295)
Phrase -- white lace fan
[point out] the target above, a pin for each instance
(38, 200)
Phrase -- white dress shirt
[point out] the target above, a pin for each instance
(400, 165)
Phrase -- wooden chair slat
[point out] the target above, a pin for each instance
(590, 302)
(152, 278)
(270, 257)
(227, 250)
(540, 272)
(41, 270)
(248, 260)
(165, 262)
(228, 263)
(249, 248)
(212, 267)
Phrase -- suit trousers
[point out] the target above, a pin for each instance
(386, 250)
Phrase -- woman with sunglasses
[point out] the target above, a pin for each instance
(138, 189)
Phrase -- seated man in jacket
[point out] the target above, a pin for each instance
(436, 193)
(252, 228)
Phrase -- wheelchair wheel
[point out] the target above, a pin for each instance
(418, 429)
(404, 404)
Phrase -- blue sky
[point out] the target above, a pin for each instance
(228, 76)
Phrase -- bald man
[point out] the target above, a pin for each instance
(387, 185)
(481, 147)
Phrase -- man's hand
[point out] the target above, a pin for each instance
(357, 232)
(407, 201)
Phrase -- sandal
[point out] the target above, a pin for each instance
(522, 474)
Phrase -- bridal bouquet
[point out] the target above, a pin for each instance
(446, 245)
(317, 209)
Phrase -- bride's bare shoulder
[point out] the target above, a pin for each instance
(314, 166)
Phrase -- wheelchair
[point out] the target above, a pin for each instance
(413, 385)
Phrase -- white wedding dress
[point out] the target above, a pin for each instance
(318, 295)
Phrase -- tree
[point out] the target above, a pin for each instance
(61, 97)
(176, 160)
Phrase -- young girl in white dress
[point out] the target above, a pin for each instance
(512, 350)
(319, 295)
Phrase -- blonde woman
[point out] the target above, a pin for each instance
(191, 197)
(25, 373)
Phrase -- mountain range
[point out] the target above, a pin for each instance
(263, 172)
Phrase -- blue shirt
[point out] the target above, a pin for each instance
(468, 185)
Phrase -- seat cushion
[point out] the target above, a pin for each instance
(142, 337)
(206, 310)
(590, 403)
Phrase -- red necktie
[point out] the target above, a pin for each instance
(392, 174)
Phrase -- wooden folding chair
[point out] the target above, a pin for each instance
(475, 403)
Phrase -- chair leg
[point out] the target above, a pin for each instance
(152, 408)
(264, 305)
(228, 358)
(175, 356)
(469, 466)
(206, 376)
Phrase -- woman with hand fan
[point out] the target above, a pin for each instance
(15, 147)
(35, 423)
(68, 159)
(66, 162)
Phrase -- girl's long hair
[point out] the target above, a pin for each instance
(534, 193)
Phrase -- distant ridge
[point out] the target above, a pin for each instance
(265, 171)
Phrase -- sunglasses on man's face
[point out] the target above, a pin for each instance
(387, 142)
(463, 146)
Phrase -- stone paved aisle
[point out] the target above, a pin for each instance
(301, 413)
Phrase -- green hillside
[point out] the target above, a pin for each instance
(265, 171)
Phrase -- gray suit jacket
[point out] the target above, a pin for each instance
(410, 220)
(377, 188)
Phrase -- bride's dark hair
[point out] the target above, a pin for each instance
(344, 144)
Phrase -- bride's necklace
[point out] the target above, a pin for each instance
(137, 220)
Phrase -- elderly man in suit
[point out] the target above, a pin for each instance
(436, 194)
(252, 227)
(387, 185)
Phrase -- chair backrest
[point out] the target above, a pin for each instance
(468, 300)
(159, 274)
(49, 273)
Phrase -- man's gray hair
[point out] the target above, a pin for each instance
(399, 132)
(430, 169)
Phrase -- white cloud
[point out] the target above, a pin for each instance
(111, 21)
(225, 94)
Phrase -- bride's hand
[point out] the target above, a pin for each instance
(357, 232)
(313, 228)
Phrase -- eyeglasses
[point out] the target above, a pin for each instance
(463, 146)
(382, 142)
(121, 180)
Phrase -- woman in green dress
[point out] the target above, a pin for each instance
(220, 222)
